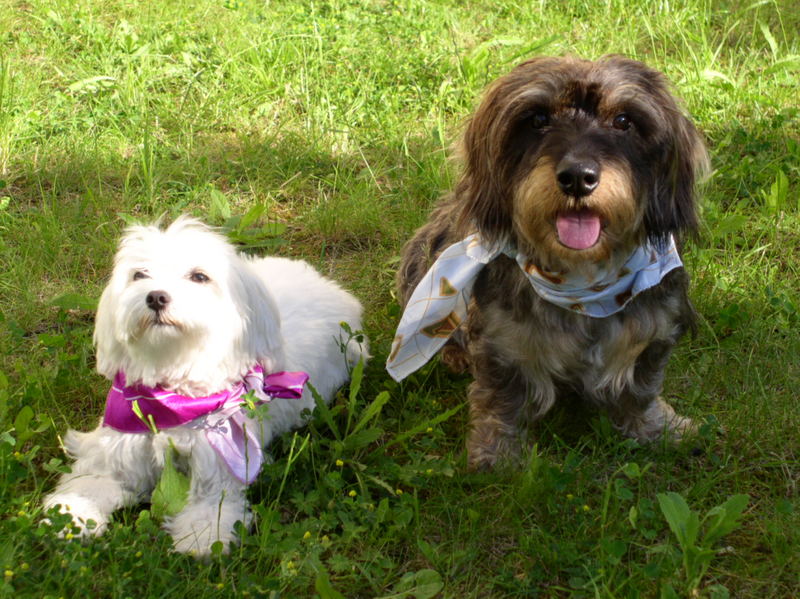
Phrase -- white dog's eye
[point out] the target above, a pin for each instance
(199, 277)
(140, 275)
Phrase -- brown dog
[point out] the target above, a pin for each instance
(575, 166)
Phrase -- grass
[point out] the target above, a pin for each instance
(335, 119)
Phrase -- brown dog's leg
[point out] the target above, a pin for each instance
(640, 412)
(497, 400)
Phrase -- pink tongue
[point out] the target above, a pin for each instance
(578, 230)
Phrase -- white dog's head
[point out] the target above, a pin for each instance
(183, 310)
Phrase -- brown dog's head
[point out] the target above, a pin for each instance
(574, 159)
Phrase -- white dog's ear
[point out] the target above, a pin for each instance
(109, 339)
(262, 337)
(108, 349)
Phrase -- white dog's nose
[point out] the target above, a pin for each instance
(158, 300)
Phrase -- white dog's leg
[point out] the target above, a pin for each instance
(216, 502)
(111, 470)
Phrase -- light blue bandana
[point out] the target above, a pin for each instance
(439, 303)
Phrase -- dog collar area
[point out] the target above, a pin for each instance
(439, 302)
(166, 409)
(232, 433)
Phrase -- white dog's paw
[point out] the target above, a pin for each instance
(86, 516)
(198, 541)
(198, 538)
(195, 530)
(196, 535)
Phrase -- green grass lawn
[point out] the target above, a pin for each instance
(336, 118)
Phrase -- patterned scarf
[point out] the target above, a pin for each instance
(439, 302)
(228, 428)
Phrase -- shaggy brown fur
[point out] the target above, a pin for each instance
(556, 135)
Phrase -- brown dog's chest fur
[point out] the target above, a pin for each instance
(560, 351)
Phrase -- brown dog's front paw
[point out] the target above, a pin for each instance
(656, 421)
(490, 444)
(680, 428)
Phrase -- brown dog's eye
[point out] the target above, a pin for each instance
(540, 120)
(138, 275)
(622, 122)
(199, 277)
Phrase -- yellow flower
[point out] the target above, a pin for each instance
(24, 566)
(339, 463)
(69, 536)
(570, 496)
(138, 554)
(307, 535)
(429, 429)
(21, 514)
(9, 574)
(398, 491)
(586, 508)
(352, 493)
(220, 586)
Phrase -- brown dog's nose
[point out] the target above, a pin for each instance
(578, 177)
(157, 300)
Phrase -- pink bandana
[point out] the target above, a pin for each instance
(228, 429)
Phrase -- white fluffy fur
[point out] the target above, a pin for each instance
(277, 312)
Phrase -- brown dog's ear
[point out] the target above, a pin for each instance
(483, 193)
(672, 206)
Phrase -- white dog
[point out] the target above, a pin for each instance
(185, 314)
